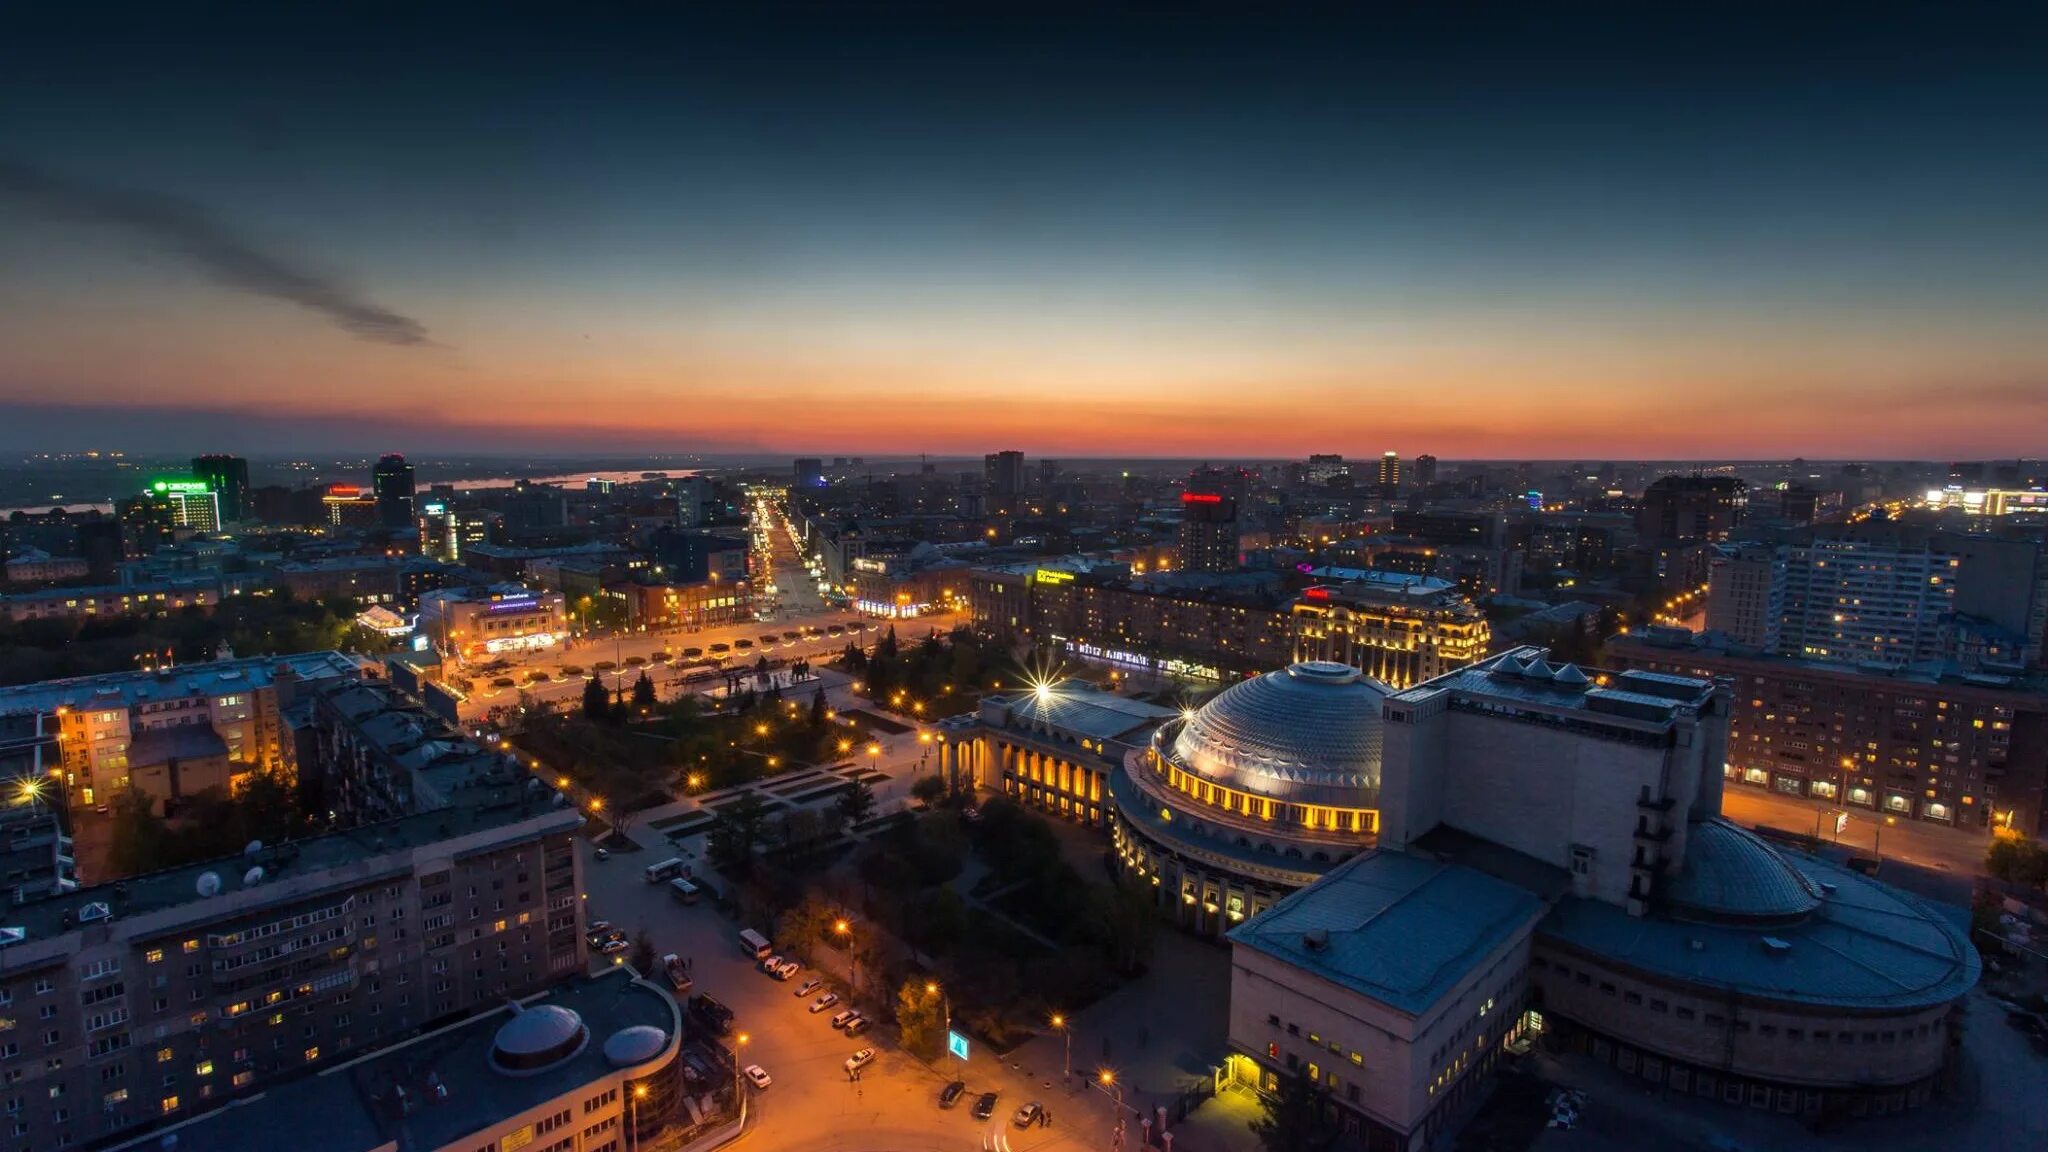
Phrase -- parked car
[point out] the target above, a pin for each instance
(1027, 1115)
(787, 969)
(759, 1076)
(857, 1025)
(824, 1002)
(985, 1107)
(845, 1018)
(599, 927)
(768, 963)
(604, 853)
(809, 986)
(860, 1059)
(951, 1093)
(613, 947)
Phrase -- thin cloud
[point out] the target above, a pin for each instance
(190, 231)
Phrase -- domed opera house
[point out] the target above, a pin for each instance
(1515, 852)
(1255, 794)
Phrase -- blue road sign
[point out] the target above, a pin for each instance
(956, 1044)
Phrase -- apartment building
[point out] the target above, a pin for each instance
(1910, 742)
(100, 720)
(139, 1003)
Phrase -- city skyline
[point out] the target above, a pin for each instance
(1510, 237)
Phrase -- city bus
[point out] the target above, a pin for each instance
(666, 870)
(755, 944)
(683, 891)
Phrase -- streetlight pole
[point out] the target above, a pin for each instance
(1067, 1067)
(739, 1042)
(844, 931)
(633, 1113)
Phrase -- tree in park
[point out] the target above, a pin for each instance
(921, 1018)
(818, 709)
(643, 953)
(857, 803)
(1297, 1118)
(597, 705)
(644, 698)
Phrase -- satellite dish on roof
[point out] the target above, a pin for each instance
(252, 877)
(254, 846)
(209, 884)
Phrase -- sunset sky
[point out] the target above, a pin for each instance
(1473, 233)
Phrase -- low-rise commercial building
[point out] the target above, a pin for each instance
(155, 598)
(469, 623)
(35, 566)
(692, 606)
(590, 1066)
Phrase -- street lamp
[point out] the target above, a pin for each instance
(739, 1042)
(1107, 1077)
(931, 988)
(1059, 1022)
(844, 931)
(633, 1113)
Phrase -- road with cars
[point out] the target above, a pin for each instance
(812, 1100)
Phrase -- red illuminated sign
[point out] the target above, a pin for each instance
(1200, 498)
(1316, 593)
(343, 490)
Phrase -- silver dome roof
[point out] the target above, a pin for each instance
(1308, 734)
(635, 1045)
(537, 1038)
(1732, 875)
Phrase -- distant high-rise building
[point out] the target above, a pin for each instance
(1325, 467)
(691, 494)
(167, 505)
(1425, 470)
(1208, 532)
(440, 532)
(1691, 509)
(1005, 474)
(228, 476)
(1893, 594)
(1746, 595)
(810, 471)
(1390, 474)
(1048, 474)
(392, 481)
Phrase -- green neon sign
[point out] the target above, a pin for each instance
(182, 486)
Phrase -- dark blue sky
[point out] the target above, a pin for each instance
(1503, 231)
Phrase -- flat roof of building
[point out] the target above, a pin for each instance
(1868, 945)
(125, 689)
(1080, 707)
(1396, 928)
(357, 1107)
(1679, 643)
(1526, 676)
(1378, 578)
